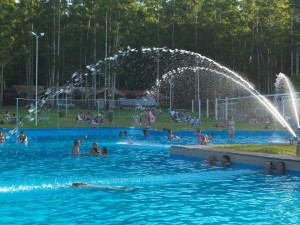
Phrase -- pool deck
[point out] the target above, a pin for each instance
(201, 152)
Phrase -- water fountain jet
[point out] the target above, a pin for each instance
(247, 86)
(282, 80)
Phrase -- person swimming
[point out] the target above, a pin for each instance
(86, 185)
(171, 135)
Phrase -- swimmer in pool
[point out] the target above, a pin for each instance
(231, 129)
(226, 161)
(280, 168)
(95, 149)
(77, 143)
(2, 139)
(104, 151)
(85, 185)
(145, 132)
(211, 160)
(171, 135)
(22, 137)
(269, 167)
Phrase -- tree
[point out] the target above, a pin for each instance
(7, 24)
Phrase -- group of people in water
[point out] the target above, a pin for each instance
(22, 138)
(94, 151)
(279, 169)
(202, 138)
(123, 133)
(226, 162)
(213, 161)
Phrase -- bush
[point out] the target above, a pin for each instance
(295, 79)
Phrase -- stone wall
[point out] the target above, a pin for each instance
(200, 152)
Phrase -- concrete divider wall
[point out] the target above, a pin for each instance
(249, 158)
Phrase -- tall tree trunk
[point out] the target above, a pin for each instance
(1, 84)
(29, 74)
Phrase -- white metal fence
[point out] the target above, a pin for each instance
(251, 110)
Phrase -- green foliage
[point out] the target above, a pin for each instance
(7, 24)
(295, 79)
(253, 37)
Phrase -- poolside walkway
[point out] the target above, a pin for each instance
(201, 152)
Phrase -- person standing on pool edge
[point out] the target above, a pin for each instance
(77, 143)
(110, 117)
(230, 125)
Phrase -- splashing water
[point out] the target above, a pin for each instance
(203, 63)
(282, 80)
(208, 64)
(246, 85)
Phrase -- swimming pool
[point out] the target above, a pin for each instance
(36, 183)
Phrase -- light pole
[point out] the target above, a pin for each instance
(171, 83)
(85, 95)
(198, 92)
(157, 79)
(36, 71)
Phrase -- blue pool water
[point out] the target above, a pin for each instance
(36, 182)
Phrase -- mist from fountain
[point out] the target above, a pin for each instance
(208, 65)
(282, 81)
(244, 84)
(51, 96)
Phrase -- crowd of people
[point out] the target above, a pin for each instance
(90, 118)
(145, 119)
(9, 119)
(202, 138)
(184, 117)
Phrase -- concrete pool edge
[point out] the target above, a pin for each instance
(250, 158)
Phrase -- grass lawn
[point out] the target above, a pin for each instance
(270, 149)
(52, 118)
